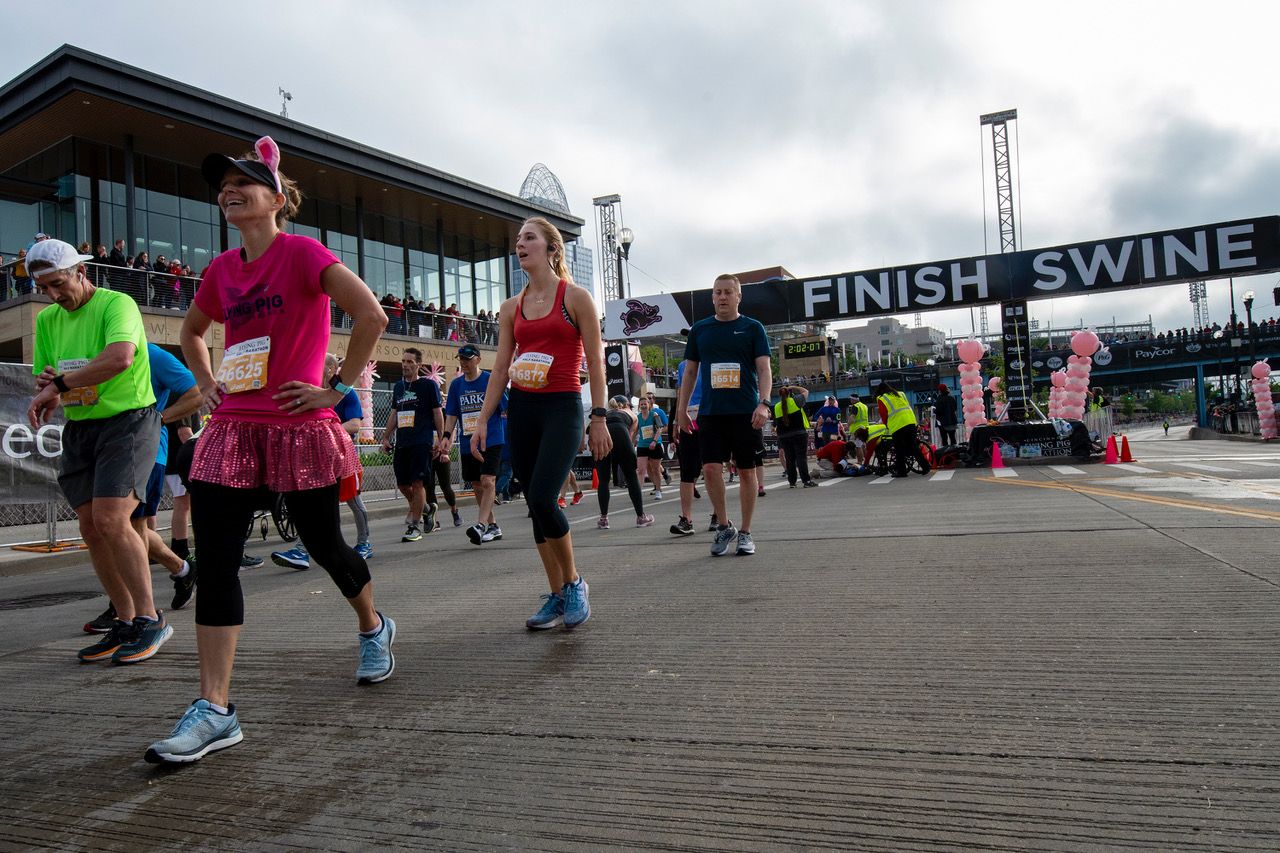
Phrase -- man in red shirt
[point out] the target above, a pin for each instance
(833, 453)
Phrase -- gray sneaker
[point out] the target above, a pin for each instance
(724, 536)
(200, 731)
(746, 545)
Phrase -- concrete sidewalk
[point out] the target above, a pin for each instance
(903, 666)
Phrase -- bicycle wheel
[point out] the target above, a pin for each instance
(926, 451)
(280, 517)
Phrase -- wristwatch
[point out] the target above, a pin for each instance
(768, 404)
(336, 384)
(60, 383)
(599, 412)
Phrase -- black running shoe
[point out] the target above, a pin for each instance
(183, 588)
(428, 521)
(103, 623)
(714, 525)
(248, 561)
(683, 527)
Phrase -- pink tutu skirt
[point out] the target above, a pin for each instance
(283, 457)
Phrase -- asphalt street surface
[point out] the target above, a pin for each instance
(1063, 656)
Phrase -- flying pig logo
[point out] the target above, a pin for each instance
(639, 316)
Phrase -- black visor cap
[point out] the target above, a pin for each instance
(215, 168)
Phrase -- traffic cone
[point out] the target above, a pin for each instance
(595, 479)
(997, 461)
(1112, 457)
(1125, 455)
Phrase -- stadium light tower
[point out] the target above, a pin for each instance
(615, 245)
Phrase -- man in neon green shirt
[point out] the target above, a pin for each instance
(91, 359)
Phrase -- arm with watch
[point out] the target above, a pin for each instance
(764, 377)
(112, 361)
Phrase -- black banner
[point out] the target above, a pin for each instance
(615, 370)
(1240, 247)
(1014, 327)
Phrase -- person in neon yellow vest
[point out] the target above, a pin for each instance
(858, 419)
(900, 421)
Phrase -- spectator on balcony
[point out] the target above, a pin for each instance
(21, 282)
(413, 309)
(452, 315)
(117, 258)
(394, 311)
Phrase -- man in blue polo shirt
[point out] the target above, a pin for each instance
(729, 355)
(466, 399)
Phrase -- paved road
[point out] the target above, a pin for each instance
(1065, 657)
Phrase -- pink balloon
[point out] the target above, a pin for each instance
(994, 383)
(970, 350)
(1085, 362)
(1084, 343)
(1058, 378)
(1261, 370)
(1073, 359)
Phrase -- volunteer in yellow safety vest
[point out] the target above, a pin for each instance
(858, 419)
(900, 421)
(792, 426)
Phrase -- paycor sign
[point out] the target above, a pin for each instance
(1240, 247)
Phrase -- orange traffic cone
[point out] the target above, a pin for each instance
(595, 479)
(997, 461)
(1112, 456)
(1125, 455)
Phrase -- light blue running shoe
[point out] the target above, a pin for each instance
(294, 558)
(376, 660)
(365, 550)
(577, 603)
(551, 614)
(200, 731)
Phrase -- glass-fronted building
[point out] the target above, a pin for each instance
(92, 150)
(576, 255)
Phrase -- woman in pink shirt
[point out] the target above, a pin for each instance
(273, 428)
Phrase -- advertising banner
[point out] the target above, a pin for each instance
(1240, 247)
(29, 457)
(1014, 328)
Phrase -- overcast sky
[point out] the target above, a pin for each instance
(821, 136)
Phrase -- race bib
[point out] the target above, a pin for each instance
(646, 432)
(531, 371)
(470, 420)
(86, 396)
(244, 365)
(726, 374)
(405, 420)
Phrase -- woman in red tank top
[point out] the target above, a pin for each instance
(544, 334)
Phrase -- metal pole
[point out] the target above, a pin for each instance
(51, 523)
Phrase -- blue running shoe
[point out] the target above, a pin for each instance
(294, 558)
(149, 636)
(376, 660)
(725, 536)
(577, 603)
(365, 550)
(200, 731)
(551, 614)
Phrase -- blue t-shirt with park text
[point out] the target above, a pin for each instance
(726, 352)
(466, 399)
(349, 407)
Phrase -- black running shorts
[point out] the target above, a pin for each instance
(725, 437)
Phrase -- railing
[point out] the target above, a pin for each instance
(152, 289)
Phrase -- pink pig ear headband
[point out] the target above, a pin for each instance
(265, 170)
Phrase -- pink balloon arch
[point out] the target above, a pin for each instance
(1262, 398)
(975, 413)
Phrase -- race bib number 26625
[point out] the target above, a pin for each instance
(244, 365)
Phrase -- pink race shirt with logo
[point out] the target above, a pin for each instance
(277, 297)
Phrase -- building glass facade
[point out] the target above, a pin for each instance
(75, 191)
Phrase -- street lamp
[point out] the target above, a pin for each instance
(832, 340)
(625, 238)
(1248, 315)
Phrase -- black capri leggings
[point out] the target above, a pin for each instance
(221, 515)
(441, 473)
(623, 455)
(544, 432)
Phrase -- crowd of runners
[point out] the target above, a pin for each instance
(281, 413)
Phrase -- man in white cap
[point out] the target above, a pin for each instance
(91, 359)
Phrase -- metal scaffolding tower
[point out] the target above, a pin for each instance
(609, 225)
(1199, 304)
(1004, 176)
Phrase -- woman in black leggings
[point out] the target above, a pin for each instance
(621, 424)
(442, 473)
(546, 333)
(273, 428)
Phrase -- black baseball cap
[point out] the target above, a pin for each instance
(214, 168)
(468, 351)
